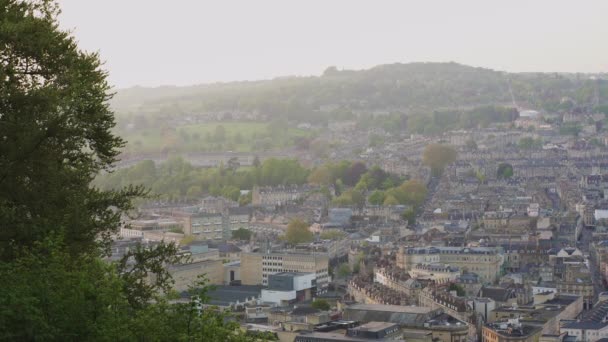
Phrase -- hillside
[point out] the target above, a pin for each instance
(408, 88)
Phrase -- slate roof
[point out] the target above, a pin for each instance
(228, 248)
(586, 325)
(404, 315)
(498, 294)
(224, 295)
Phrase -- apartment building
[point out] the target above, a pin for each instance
(484, 261)
(257, 267)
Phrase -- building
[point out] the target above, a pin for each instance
(206, 226)
(547, 315)
(289, 287)
(439, 273)
(278, 195)
(186, 275)
(374, 331)
(296, 317)
(592, 327)
(257, 267)
(486, 262)
(412, 319)
(234, 297)
(511, 330)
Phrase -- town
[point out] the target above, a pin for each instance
(490, 234)
(303, 171)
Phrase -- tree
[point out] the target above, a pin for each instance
(332, 235)
(471, 144)
(528, 143)
(410, 216)
(354, 173)
(415, 192)
(344, 270)
(242, 234)
(321, 304)
(377, 197)
(245, 199)
(194, 191)
(231, 192)
(459, 290)
(297, 232)
(504, 171)
(437, 157)
(320, 175)
(56, 130)
(390, 200)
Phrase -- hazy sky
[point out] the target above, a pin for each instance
(160, 42)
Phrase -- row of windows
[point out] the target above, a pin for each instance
(271, 264)
(264, 257)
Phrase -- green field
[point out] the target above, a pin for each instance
(236, 137)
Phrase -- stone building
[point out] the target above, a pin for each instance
(256, 267)
(486, 262)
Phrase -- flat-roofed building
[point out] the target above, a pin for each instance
(257, 267)
(510, 331)
(443, 327)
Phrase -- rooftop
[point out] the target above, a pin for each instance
(392, 308)
(224, 295)
(513, 330)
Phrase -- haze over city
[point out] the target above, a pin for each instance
(304, 171)
(153, 43)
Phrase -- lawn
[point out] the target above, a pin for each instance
(237, 137)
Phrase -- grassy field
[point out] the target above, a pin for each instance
(236, 137)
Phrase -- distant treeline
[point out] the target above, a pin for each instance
(178, 179)
(418, 88)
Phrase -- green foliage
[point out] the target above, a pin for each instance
(321, 304)
(349, 173)
(410, 216)
(376, 140)
(177, 178)
(570, 129)
(446, 120)
(344, 270)
(242, 234)
(424, 87)
(297, 232)
(246, 199)
(376, 178)
(332, 235)
(350, 197)
(57, 135)
(153, 137)
(390, 200)
(57, 131)
(437, 157)
(529, 143)
(504, 171)
(377, 197)
(411, 192)
(459, 289)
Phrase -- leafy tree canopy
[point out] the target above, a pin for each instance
(438, 156)
(56, 131)
(504, 171)
(297, 232)
(321, 304)
(242, 234)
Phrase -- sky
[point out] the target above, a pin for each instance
(183, 42)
